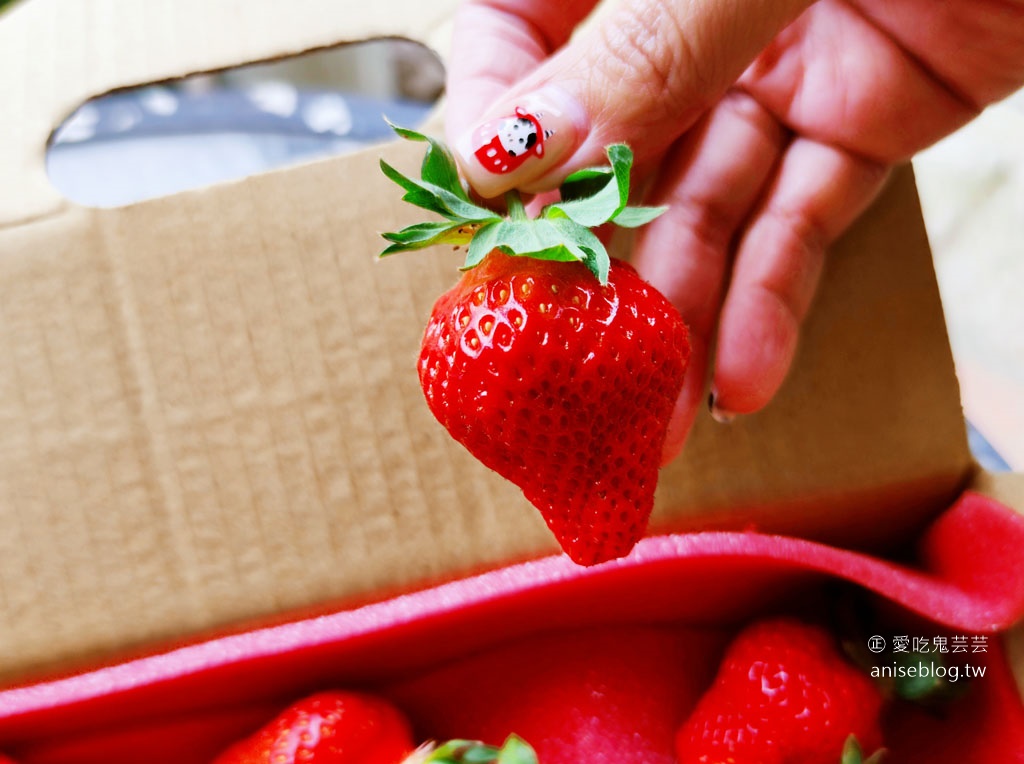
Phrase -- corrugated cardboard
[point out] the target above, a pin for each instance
(209, 413)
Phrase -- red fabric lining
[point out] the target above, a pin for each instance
(188, 702)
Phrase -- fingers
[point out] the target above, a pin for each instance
(495, 44)
(641, 74)
(710, 181)
(733, 183)
(816, 193)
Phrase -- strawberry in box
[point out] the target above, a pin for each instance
(613, 693)
(784, 694)
(329, 728)
(608, 658)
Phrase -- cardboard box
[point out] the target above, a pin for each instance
(209, 416)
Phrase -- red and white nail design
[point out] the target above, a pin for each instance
(520, 144)
(507, 142)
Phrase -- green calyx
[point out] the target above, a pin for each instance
(561, 231)
(924, 679)
(513, 751)
(852, 753)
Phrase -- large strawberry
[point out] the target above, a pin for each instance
(784, 694)
(600, 695)
(556, 366)
(329, 727)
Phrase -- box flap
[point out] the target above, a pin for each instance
(1007, 487)
(209, 411)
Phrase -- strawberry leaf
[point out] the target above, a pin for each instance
(422, 235)
(515, 750)
(439, 165)
(923, 679)
(597, 195)
(560, 239)
(434, 198)
(918, 684)
(853, 754)
(414, 194)
(584, 183)
(634, 217)
(607, 202)
(590, 198)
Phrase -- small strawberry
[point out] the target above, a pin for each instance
(553, 364)
(328, 728)
(784, 694)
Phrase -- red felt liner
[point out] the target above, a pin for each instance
(183, 705)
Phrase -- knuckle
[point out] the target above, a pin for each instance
(800, 242)
(786, 311)
(708, 218)
(801, 230)
(650, 51)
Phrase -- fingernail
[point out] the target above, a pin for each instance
(520, 142)
(720, 415)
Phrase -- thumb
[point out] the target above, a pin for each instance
(641, 74)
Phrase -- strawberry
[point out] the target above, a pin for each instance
(603, 694)
(784, 694)
(328, 728)
(553, 364)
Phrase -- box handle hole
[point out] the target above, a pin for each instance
(159, 139)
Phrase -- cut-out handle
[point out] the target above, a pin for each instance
(152, 141)
(57, 54)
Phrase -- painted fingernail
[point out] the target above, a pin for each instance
(521, 142)
(719, 414)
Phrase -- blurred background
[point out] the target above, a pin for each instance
(210, 128)
(972, 193)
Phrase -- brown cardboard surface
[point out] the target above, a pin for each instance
(1007, 487)
(209, 412)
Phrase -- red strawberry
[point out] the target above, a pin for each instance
(599, 695)
(328, 728)
(555, 366)
(562, 386)
(784, 694)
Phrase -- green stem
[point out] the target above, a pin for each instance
(514, 202)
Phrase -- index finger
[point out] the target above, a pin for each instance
(495, 43)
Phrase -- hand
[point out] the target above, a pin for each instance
(767, 125)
